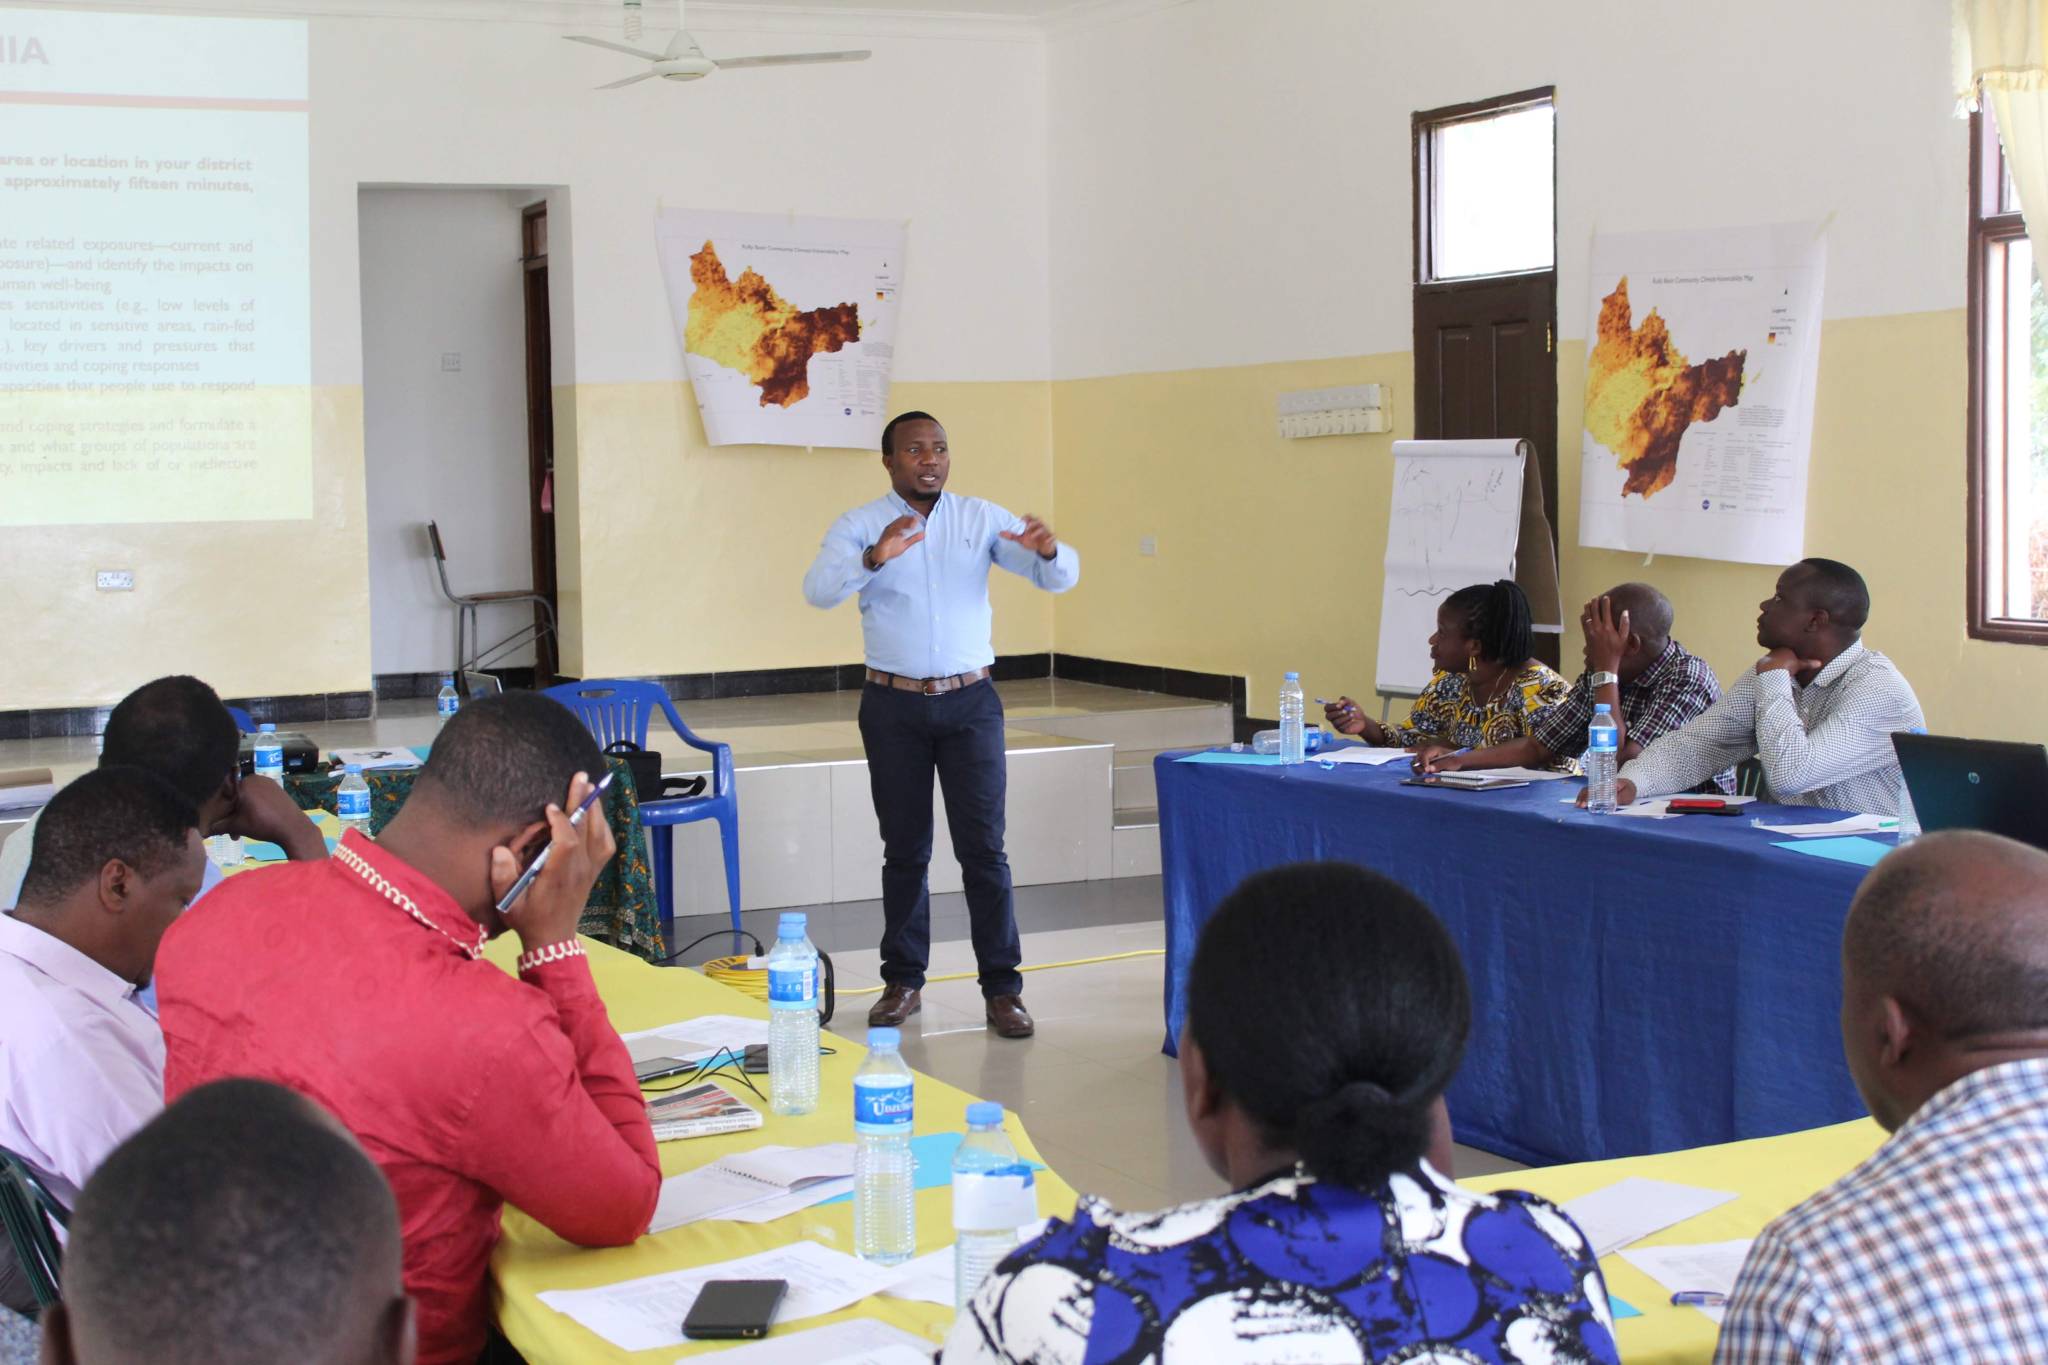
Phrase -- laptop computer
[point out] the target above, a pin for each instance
(1982, 784)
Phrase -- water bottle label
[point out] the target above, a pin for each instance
(884, 1109)
(1002, 1198)
(447, 706)
(270, 764)
(352, 805)
(792, 988)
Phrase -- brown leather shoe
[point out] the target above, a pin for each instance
(897, 1004)
(1008, 1017)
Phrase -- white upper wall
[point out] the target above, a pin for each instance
(1231, 179)
(947, 132)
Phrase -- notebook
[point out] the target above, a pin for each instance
(755, 1187)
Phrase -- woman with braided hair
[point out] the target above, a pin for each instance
(1486, 689)
(1327, 1011)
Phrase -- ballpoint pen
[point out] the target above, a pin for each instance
(533, 869)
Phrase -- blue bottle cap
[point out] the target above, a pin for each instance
(792, 923)
(353, 768)
(448, 679)
(1292, 677)
(1600, 707)
(984, 1113)
(884, 1037)
(266, 729)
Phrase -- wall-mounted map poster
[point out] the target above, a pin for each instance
(788, 324)
(1701, 362)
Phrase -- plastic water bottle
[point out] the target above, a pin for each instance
(1909, 821)
(1291, 720)
(1602, 749)
(993, 1196)
(446, 701)
(269, 754)
(792, 1019)
(1314, 739)
(884, 1172)
(352, 797)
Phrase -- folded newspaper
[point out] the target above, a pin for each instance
(700, 1111)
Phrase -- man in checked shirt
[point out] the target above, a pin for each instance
(1935, 1248)
(1650, 683)
(1818, 711)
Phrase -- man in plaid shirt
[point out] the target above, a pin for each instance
(1650, 683)
(1936, 1247)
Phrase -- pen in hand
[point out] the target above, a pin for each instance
(575, 822)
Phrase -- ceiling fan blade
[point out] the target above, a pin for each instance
(791, 59)
(630, 80)
(613, 47)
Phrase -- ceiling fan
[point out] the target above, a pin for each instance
(683, 60)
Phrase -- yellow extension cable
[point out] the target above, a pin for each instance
(734, 972)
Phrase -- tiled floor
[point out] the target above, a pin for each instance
(1100, 1100)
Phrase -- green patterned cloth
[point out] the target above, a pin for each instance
(622, 911)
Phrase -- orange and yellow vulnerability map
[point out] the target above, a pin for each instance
(746, 326)
(1641, 394)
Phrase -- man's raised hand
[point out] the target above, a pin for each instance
(1036, 536)
(898, 536)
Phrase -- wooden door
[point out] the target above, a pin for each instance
(540, 428)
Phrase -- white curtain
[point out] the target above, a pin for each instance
(2001, 53)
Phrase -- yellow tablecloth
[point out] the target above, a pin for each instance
(1770, 1175)
(530, 1259)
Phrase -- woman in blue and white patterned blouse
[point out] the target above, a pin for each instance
(1327, 1012)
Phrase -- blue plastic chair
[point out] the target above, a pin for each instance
(613, 709)
(243, 721)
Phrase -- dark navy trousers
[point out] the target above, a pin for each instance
(959, 735)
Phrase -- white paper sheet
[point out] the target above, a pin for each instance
(1371, 758)
(1630, 1210)
(783, 1205)
(370, 760)
(929, 1278)
(857, 1341)
(692, 1040)
(648, 1313)
(1525, 774)
(1848, 824)
(1711, 1266)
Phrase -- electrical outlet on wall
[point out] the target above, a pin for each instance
(451, 362)
(114, 580)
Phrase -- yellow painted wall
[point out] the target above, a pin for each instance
(692, 558)
(1270, 550)
(266, 608)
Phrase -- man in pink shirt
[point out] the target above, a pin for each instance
(356, 981)
(117, 856)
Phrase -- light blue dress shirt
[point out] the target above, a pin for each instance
(925, 614)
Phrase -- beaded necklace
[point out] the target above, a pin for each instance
(353, 861)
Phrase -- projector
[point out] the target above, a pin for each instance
(301, 755)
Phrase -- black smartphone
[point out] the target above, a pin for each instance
(727, 1309)
(654, 1068)
(755, 1059)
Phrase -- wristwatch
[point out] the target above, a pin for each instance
(1603, 679)
(867, 560)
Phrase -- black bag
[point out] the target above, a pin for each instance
(648, 783)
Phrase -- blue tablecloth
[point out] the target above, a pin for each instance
(1637, 985)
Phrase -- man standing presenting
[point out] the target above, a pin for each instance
(920, 564)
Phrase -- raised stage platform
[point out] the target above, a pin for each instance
(1082, 805)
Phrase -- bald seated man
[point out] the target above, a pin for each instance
(1650, 684)
(242, 1226)
(1936, 1248)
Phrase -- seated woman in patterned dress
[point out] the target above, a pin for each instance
(1313, 1067)
(1486, 689)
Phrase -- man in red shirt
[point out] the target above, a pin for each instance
(356, 981)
